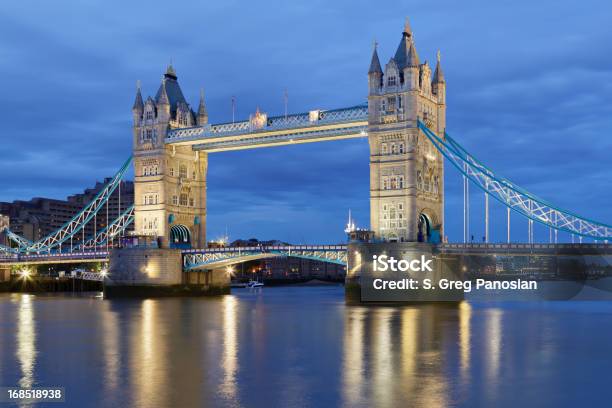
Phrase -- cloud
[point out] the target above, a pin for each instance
(528, 94)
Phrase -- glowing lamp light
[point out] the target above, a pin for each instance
(25, 273)
(230, 270)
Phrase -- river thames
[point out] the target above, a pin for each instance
(303, 347)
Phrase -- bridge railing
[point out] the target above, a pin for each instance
(522, 246)
(339, 247)
(295, 121)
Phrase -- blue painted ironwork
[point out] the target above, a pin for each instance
(115, 228)
(513, 196)
(198, 258)
(297, 121)
(77, 223)
(18, 239)
(5, 251)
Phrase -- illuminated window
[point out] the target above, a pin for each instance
(183, 199)
(393, 182)
(183, 171)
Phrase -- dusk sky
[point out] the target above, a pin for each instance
(529, 93)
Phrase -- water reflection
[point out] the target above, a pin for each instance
(302, 347)
(353, 368)
(230, 350)
(494, 340)
(149, 357)
(465, 315)
(397, 355)
(111, 349)
(26, 340)
(382, 355)
(493, 350)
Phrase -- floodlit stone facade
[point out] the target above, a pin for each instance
(170, 181)
(406, 170)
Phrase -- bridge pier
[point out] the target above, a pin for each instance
(5, 273)
(369, 267)
(153, 272)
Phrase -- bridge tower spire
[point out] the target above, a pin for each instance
(202, 113)
(138, 107)
(406, 171)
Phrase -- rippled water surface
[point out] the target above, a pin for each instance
(301, 346)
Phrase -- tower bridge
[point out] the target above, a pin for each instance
(404, 122)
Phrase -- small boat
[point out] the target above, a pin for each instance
(255, 284)
(238, 285)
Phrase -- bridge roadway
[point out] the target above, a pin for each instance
(313, 126)
(65, 258)
(212, 258)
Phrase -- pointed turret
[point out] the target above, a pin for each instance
(438, 83)
(375, 73)
(375, 67)
(163, 103)
(202, 113)
(406, 54)
(412, 59)
(138, 107)
(438, 76)
(162, 94)
(138, 103)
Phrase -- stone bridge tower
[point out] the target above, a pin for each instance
(169, 181)
(406, 170)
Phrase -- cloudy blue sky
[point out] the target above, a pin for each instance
(529, 92)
